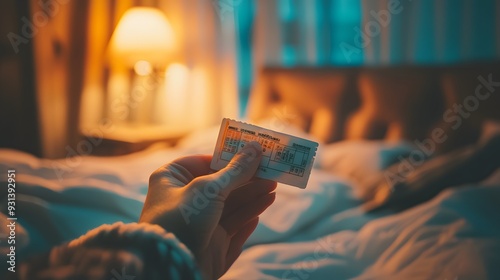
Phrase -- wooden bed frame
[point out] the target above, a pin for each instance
(393, 103)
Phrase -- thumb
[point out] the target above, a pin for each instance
(239, 171)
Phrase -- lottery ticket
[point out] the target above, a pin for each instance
(285, 158)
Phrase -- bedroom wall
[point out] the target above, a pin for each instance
(59, 40)
(18, 110)
(292, 33)
(41, 58)
(222, 44)
(204, 59)
(61, 80)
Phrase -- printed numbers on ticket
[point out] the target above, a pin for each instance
(285, 158)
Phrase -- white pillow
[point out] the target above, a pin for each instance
(360, 161)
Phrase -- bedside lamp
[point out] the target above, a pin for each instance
(142, 40)
(139, 106)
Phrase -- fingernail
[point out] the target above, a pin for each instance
(271, 198)
(251, 150)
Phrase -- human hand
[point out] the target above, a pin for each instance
(212, 213)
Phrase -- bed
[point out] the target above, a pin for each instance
(366, 121)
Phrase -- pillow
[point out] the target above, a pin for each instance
(360, 161)
(396, 191)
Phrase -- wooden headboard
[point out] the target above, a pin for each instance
(317, 97)
(394, 103)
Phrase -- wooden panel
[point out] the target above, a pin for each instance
(18, 111)
(59, 50)
(77, 43)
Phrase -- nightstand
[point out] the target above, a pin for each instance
(129, 138)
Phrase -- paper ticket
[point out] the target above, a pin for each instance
(285, 158)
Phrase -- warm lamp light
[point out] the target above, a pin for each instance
(143, 36)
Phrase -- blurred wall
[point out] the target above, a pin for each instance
(59, 79)
(59, 49)
(41, 74)
(18, 110)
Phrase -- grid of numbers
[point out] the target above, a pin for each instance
(274, 156)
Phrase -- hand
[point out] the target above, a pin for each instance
(212, 213)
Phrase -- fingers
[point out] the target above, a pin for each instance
(241, 216)
(197, 165)
(237, 241)
(239, 170)
(181, 171)
(247, 194)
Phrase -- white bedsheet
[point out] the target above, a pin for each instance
(454, 236)
(317, 233)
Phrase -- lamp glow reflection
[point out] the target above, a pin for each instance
(143, 34)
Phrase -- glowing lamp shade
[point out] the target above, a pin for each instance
(142, 34)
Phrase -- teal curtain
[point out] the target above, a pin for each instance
(363, 32)
(244, 19)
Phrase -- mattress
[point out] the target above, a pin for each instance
(317, 233)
